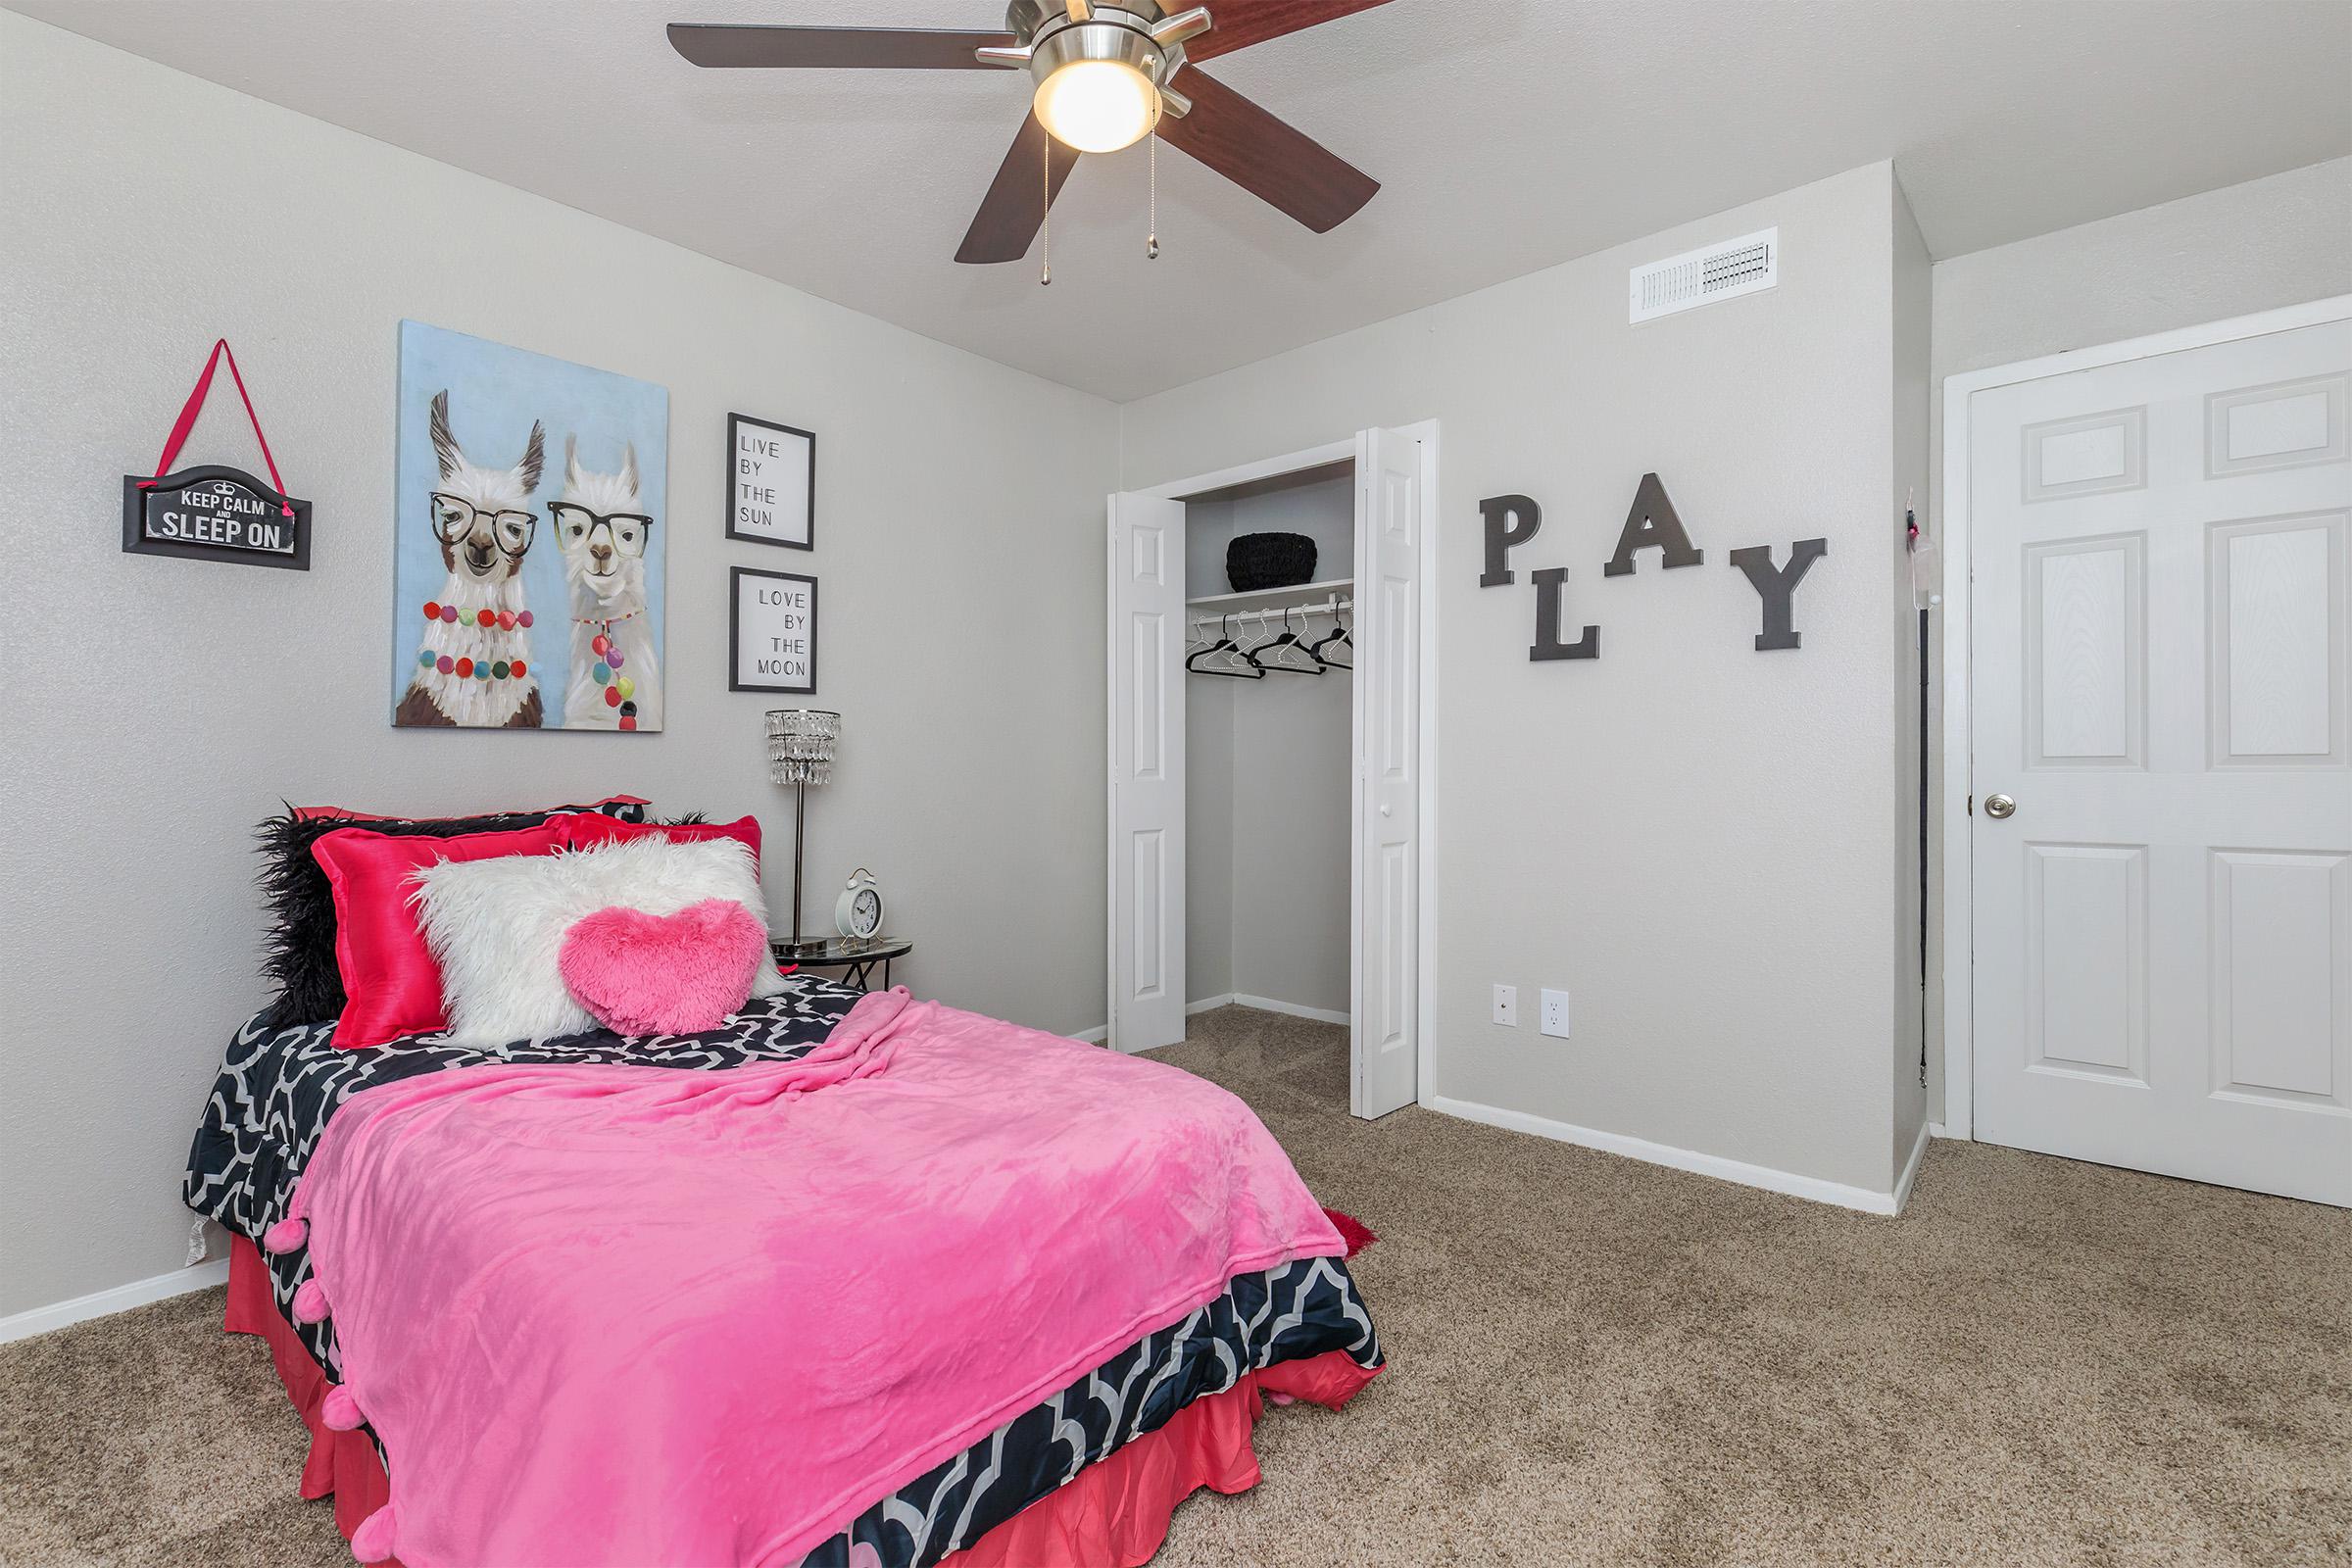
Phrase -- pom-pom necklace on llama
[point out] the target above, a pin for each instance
(621, 691)
(474, 657)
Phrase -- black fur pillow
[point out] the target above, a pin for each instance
(298, 953)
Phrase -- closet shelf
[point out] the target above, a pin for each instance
(1305, 593)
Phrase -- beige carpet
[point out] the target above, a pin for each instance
(1592, 1361)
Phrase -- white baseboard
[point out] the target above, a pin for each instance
(1715, 1165)
(121, 1298)
(1269, 1004)
(1231, 999)
(1910, 1172)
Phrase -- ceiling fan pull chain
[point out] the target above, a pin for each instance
(1151, 235)
(1045, 279)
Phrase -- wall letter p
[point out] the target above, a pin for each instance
(1498, 511)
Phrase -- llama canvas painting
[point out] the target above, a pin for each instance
(526, 598)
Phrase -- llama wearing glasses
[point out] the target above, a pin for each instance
(602, 531)
(473, 663)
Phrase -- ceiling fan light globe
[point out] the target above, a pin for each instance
(1097, 106)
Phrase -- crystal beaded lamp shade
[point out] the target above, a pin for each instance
(799, 745)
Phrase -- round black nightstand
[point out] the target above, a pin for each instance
(854, 957)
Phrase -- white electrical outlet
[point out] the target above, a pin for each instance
(197, 1244)
(1554, 1020)
(1506, 1006)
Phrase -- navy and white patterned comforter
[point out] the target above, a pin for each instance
(278, 1088)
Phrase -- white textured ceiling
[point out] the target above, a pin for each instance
(1508, 135)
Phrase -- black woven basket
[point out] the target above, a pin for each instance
(1258, 560)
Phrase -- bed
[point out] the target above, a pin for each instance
(1086, 1474)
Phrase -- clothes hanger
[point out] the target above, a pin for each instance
(1340, 635)
(1250, 649)
(1201, 651)
(1237, 652)
(1265, 635)
(1224, 645)
(1288, 639)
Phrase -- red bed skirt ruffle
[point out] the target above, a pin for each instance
(341, 1463)
(1113, 1515)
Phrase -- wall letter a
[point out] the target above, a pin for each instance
(1550, 583)
(1652, 521)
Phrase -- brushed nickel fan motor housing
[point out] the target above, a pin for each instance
(1140, 33)
(1031, 20)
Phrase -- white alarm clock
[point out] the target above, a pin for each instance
(858, 911)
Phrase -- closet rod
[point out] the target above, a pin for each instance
(1321, 607)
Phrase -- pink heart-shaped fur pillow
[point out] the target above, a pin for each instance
(664, 974)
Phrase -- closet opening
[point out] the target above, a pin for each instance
(1267, 784)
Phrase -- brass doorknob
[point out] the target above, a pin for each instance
(1998, 805)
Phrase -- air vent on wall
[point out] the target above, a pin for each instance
(1703, 277)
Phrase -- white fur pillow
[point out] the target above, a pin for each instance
(496, 927)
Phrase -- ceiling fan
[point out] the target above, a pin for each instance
(1105, 74)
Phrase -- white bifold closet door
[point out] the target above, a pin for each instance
(2163, 828)
(1147, 771)
(1386, 859)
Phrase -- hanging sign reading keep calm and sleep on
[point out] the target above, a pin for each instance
(215, 512)
(1650, 523)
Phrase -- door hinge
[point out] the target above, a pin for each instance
(1972, 806)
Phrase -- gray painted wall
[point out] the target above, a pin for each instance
(159, 708)
(1209, 837)
(1699, 840)
(1266, 787)
(1909, 400)
(1293, 735)
(2231, 252)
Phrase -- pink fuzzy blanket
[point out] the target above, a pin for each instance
(611, 1314)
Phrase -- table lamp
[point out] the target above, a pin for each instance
(800, 753)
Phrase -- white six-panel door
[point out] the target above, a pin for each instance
(2162, 926)
(1147, 771)
(1386, 860)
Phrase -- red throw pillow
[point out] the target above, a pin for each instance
(582, 832)
(391, 985)
(298, 952)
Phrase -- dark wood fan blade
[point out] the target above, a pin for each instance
(1014, 208)
(724, 44)
(1239, 23)
(1270, 159)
